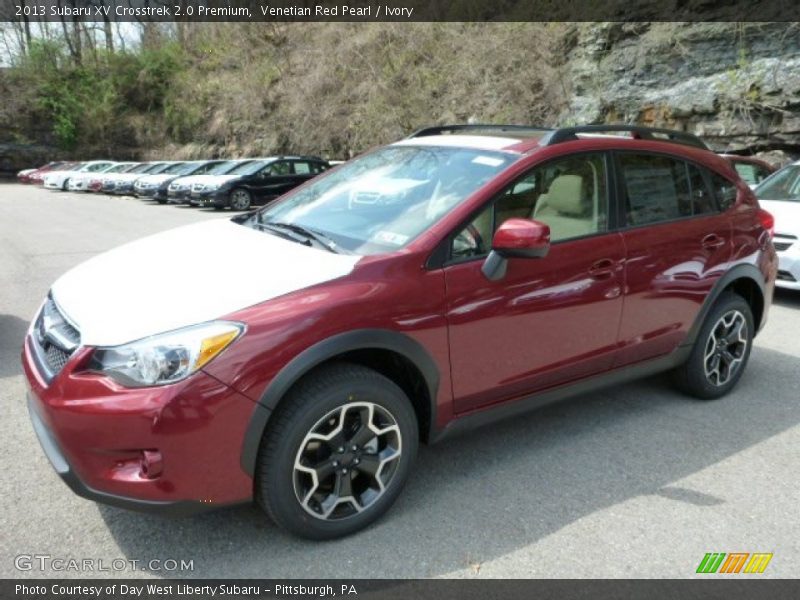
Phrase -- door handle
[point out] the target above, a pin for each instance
(712, 240)
(602, 269)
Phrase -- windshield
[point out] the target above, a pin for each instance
(191, 167)
(783, 185)
(224, 168)
(118, 168)
(174, 168)
(157, 168)
(247, 168)
(382, 201)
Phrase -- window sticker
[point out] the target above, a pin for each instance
(389, 237)
(489, 161)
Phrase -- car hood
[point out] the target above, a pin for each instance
(126, 176)
(786, 213)
(134, 291)
(190, 179)
(156, 179)
(215, 179)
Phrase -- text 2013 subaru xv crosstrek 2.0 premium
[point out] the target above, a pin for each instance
(463, 274)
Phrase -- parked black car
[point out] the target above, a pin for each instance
(257, 182)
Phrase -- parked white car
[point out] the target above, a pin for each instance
(780, 195)
(80, 181)
(59, 180)
(147, 185)
(123, 183)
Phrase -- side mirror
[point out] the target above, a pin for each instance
(516, 238)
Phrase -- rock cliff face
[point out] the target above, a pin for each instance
(736, 85)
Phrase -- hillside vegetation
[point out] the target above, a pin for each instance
(329, 89)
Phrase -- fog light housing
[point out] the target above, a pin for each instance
(152, 464)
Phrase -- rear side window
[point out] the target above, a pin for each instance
(724, 190)
(657, 189)
(702, 199)
(661, 188)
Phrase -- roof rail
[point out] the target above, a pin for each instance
(525, 130)
(566, 134)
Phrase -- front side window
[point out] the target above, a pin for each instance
(278, 168)
(783, 185)
(382, 201)
(568, 194)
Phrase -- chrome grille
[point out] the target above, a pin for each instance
(54, 339)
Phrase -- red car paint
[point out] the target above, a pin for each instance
(612, 300)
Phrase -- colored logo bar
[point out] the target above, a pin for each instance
(734, 562)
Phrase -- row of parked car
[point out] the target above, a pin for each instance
(238, 184)
(242, 183)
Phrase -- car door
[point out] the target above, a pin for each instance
(548, 320)
(272, 181)
(678, 244)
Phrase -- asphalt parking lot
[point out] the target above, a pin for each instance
(633, 481)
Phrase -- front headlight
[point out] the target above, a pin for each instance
(168, 357)
(212, 187)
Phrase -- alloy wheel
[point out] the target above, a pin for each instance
(725, 348)
(240, 200)
(347, 460)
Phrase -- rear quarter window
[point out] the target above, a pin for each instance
(724, 191)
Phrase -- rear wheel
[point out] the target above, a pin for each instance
(721, 351)
(336, 453)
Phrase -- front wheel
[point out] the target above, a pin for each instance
(240, 199)
(337, 452)
(721, 351)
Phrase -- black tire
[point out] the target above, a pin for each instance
(65, 185)
(697, 376)
(240, 199)
(329, 395)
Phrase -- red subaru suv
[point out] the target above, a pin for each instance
(464, 274)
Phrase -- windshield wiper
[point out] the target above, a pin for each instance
(310, 234)
(284, 233)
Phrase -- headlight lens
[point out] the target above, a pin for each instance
(168, 357)
(212, 187)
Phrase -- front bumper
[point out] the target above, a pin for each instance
(145, 192)
(217, 199)
(67, 474)
(97, 434)
(788, 264)
(178, 196)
